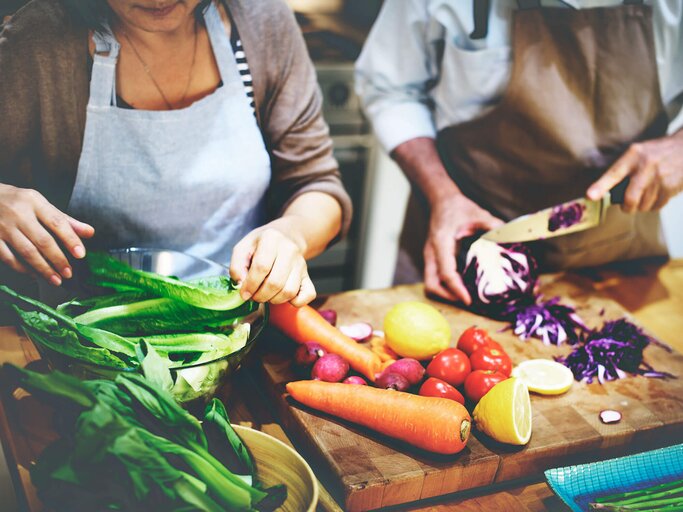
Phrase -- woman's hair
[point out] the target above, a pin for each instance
(94, 13)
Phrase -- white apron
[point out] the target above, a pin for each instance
(192, 179)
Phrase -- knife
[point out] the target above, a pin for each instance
(562, 219)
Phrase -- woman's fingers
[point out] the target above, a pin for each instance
(306, 293)
(278, 279)
(9, 259)
(261, 264)
(292, 285)
(28, 253)
(47, 247)
(241, 258)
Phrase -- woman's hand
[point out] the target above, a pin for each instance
(655, 169)
(31, 231)
(270, 264)
(452, 218)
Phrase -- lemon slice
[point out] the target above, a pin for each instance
(544, 376)
(504, 413)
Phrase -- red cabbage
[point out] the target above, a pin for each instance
(564, 216)
(611, 352)
(550, 321)
(500, 278)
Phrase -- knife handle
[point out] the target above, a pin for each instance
(619, 191)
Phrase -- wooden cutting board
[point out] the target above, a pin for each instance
(368, 471)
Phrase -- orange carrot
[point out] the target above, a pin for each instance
(433, 424)
(305, 324)
(379, 346)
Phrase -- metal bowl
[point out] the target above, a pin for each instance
(197, 382)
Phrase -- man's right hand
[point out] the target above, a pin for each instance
(452, 218)
(31, 231)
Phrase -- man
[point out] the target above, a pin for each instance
(494, 111)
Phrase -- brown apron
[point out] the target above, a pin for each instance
(583, 87)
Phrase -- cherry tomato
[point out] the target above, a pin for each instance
(450, 365)
(478, 383)
(490, 358)
(440, 389)
(473, 338)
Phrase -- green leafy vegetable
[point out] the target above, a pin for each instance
(220, 294)
(127, 445)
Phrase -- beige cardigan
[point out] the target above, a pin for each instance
(44, 89)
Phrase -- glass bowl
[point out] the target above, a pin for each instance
(196, 382)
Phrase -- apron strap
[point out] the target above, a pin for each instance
(222, 49)
(480, 10)
(103, 76)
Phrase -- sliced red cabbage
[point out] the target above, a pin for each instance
(550, 321)
(612, 352)
(564, 216)
(500, 278)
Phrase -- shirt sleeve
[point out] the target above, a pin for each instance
(393, 74)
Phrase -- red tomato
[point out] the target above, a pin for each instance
(451, 365)
(474, 338)
(478, 383)
(440, 389)
(491, 358)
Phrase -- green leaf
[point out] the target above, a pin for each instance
(56, 386)
(218, 430)
(155, 368)
(218, 297)
(162, 316)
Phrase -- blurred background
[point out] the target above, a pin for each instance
(334, 31)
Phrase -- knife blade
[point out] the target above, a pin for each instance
(543, 224)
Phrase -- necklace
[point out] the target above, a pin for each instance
(169, 105)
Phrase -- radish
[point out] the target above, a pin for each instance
(409, 368)
(330, 315)
(308, 353)
(355, 379)
(330, 368)
(361, 331)
(393, 381)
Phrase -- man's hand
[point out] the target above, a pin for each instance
(655, 169)
(452, 219)
(31, 230)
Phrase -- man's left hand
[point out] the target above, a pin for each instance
(655, 169)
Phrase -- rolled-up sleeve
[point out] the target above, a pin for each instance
(393, 80)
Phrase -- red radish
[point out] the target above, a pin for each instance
(330, 368)
(411, 369)
(361, 331)
(308, 353)
(393, 381)
(329, 314)
(355, 379)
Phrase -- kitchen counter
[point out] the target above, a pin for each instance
(652, 293)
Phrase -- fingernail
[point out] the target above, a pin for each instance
(66, 272)
(79, 251)
(246, 295)
(56, 280)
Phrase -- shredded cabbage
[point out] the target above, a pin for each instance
(611, 352)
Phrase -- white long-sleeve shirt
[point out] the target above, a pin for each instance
(407, 93)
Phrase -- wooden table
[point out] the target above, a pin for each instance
(652, 293)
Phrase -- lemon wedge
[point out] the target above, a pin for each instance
(544, 376)
(504, 413)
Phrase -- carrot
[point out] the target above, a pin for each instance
(379, 346)
(433, 424)
(305, 324)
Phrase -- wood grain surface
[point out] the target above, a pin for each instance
(368, 471)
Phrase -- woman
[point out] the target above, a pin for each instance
(131, 122)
